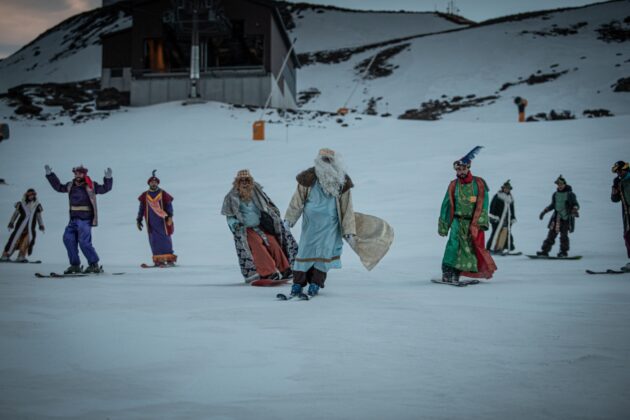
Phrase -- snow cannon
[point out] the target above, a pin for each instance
(259, 130)
(4, 131)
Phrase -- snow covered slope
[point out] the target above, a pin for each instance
(71, 51)
(570, 59)
(323, 28)
(540, 340)
(581, 53)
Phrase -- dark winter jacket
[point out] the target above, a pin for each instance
(82, 196)
(623, 195)
(497, 205)
(572, 207)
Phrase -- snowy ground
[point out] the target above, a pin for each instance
(541, 340)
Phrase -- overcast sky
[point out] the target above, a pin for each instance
(21, 21)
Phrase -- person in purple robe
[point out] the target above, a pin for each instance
(156, 208)
(82, 193)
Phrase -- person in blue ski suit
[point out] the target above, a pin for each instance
(83, 215)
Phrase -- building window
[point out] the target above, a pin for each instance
(154, 55)
(234, 52)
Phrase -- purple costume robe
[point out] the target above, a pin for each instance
(156, 209)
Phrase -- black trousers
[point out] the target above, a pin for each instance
(313, 275)
(552, 235)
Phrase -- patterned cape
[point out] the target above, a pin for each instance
(270, 220)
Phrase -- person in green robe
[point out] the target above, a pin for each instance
(464, 213)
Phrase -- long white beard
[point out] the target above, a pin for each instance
(331, 176)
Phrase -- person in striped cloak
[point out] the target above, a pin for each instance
(264, 246)
(156, 209)
(26, 217)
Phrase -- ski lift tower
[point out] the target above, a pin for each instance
(451, 8)
(195, 18)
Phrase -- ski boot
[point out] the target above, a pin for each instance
(296, 289)
(313, 289)
(275, 276)
(92, 269)
(287, 274)
(21, 259)
(73, 269)
(626, 268)
(4, 258)
(542, 253)
(562, 254)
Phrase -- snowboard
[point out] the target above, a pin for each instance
(268, 282)
(609, 271)
(461, 283)
(540, 257)
(509, 254)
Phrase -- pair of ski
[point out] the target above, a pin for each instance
(143, 265)
(54, 275)
(461, 283)
(21, 262)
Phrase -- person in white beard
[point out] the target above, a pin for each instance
(323, 199)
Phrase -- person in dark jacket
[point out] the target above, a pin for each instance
(83, 215)
(565, 209)
(621, 194)
(502, 218)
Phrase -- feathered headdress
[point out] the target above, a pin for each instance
(153, 177)
(467, 160)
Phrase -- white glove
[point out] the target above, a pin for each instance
(48, 169)
(513, 221)
(108, 173)
(287, 225)
(351, 239)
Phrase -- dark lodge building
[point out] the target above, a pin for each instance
(242, 47)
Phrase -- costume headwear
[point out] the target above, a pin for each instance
(560, 180)
(327, 152)
(243, 173)
(153, 177)
(620, 165)
(80, 169)
(467, 160)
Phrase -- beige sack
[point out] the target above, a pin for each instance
(373, 239)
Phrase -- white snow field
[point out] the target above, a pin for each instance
(541, 340)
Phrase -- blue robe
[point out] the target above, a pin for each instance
(320, 244)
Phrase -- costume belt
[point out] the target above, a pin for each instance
(80, 208)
